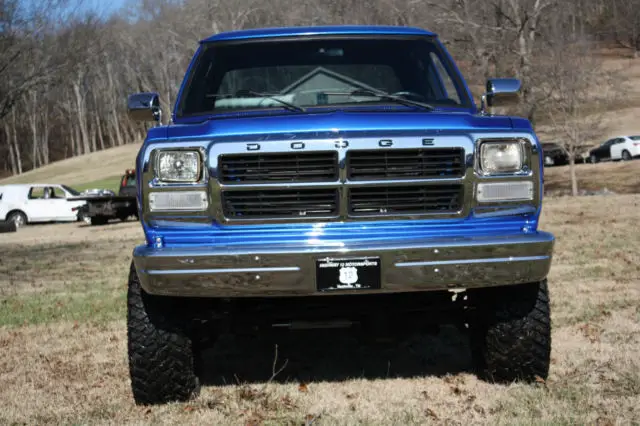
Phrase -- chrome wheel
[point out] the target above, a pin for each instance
(548, 161)
(18, 219)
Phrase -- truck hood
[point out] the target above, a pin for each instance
(333, 124)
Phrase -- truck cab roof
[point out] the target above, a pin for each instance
(330, 30)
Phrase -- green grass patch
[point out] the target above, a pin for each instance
(43, 308)
(112, 183)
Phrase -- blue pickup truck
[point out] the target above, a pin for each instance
(335, 176)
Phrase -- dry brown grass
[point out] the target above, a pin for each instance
(85, 168)
(618, 176)
(57, 369)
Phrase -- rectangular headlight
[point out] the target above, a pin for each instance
(178, 201)
(501, 157)
(504, 191)
(178, 166)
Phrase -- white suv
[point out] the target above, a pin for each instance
(31, 203)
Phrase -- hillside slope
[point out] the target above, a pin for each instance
(85, 168)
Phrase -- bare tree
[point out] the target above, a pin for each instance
(582, 90)
(625, 24)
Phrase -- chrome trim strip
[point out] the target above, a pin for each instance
(221, 271)
(470, 261)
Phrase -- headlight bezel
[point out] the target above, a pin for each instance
(157, 154)
(525, 157)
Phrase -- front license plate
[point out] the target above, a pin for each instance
(348, 274)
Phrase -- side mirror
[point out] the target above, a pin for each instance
(504, 89)
(144, 107)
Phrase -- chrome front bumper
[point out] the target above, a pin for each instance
(422, 265)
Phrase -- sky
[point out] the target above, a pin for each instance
(105, 7)
(102, 7)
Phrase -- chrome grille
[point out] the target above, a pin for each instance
(405, 199)
(280, 203)
(278, 167)
(405, 163)
(340, 184)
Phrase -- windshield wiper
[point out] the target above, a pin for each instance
(385, 96)
(246, 93)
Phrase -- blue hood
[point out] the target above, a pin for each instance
(331, 124)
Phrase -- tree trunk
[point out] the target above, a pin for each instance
(116, 127)
(33, 126)
(99, 130)
(16, 147)
(574, 178)
(44, 144)
(82, 117)
(12, 159)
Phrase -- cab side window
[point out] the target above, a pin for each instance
(57, 192)
(36, 193)
(45, 193)
(444, 82)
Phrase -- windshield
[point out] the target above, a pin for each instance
(71, 191)
(128, 181)
(635, 138)
(339, 72)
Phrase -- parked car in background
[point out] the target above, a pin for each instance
(619, 148)
(555, 155)
(32, 203)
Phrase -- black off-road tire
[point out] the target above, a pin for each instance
(511, 333)
(98, 220)
(626, 156)
(161, 353)
(7, 227)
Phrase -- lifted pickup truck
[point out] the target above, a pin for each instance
(335, 176)
(100, 208)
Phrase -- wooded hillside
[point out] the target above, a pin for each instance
(65, 75)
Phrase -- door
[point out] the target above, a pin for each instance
(37, 206)
(60, 207)
(616, 148)
(603, 152)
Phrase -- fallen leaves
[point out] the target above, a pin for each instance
(591, 331)
(430, 413)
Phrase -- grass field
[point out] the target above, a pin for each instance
(86, 171)
(63, 340)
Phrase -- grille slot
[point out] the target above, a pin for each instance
(280, 203)
(405, 163)
(387, 200)
(279, 167)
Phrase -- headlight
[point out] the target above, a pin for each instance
(501, 157)
(178, 166)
